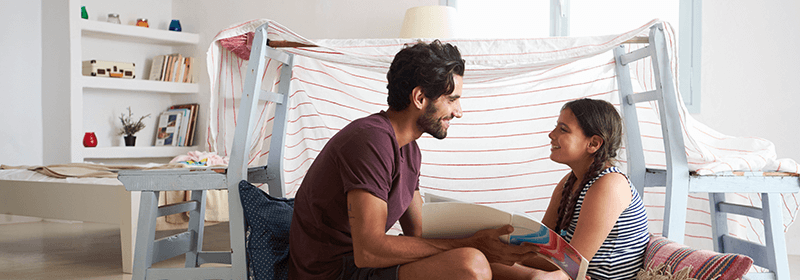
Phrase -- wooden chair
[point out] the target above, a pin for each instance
(198, 181)
(679, 181)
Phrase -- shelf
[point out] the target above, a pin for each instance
(136, 152)
(138, 34)
(139, 85)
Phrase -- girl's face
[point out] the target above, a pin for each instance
(568, 144)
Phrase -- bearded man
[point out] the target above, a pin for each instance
(366, 178)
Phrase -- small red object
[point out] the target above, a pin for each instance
(142, 22)
(89, 139)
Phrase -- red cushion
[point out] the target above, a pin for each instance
(704, 264)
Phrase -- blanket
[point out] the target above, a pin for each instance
(497, 154)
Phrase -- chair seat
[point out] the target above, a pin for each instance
(184, 179)
(743, 182)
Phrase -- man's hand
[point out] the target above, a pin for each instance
(496, 251)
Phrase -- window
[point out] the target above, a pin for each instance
(542, 18)
(504, 18)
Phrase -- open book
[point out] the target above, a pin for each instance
(462, 219)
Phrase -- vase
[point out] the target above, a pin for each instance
(130, 140)
(175, 25)
(89, 139)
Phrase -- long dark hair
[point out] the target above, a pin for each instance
(595, 117)
(429, 66)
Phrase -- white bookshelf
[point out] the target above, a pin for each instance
(76, 104)
(139, 85)
(121, 32)
(134, 152)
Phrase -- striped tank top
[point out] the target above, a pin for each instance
(622, 254)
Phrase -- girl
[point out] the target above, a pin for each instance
(594, 207)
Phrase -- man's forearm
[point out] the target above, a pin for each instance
(394, 250)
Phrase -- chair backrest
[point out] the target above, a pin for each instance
(239, 156)
(676, 175)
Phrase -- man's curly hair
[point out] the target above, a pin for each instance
(429, 66)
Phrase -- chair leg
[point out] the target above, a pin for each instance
(719, 220)
(675, 205)
(196, 226)
(145, 234)
(777, 257)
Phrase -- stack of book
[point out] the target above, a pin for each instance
(176, 125)
(173, 68)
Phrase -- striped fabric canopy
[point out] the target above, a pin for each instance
(498, 153)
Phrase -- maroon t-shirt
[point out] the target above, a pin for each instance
(363, 155)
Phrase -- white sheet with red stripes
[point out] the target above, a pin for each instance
(498, 153)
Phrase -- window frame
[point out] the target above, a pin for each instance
(689, 43)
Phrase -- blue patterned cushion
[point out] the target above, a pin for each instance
(267, 221)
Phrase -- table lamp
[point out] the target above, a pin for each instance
(429, 22)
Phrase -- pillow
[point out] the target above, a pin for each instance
(267, 221)
(667, 258)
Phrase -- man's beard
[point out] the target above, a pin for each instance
(430, 124)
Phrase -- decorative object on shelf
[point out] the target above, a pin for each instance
(129, 127)
(142, 22)
(100, 68)
(113, 18)
(130, 140)
(84, 14)
(89, 140)
(175, 25)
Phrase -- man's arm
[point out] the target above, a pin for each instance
(372, 247)
(411, 221)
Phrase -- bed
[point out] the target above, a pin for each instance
(101, 199)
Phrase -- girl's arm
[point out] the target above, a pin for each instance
(604, 202)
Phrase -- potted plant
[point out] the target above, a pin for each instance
(129, 127)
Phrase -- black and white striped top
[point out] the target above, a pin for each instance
(622, 254)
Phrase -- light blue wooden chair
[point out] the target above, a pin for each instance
(679, 182)
(150, 182)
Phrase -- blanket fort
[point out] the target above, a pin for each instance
(498, 153)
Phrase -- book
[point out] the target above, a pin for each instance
(168, 127)
(157, 68)
(182, 128)
(193, 111)
(455, 219)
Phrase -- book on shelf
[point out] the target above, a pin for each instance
(192, 121)
(168, 127)
(173, 68)
(456, 219)
(182, 127)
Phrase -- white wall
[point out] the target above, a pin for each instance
(21, 82)
(750, 83)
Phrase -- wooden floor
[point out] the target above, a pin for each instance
(58, 250)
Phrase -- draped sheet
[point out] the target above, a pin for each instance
(497, 154)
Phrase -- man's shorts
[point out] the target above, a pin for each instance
(351, 272)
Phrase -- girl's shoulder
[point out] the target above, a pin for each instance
(611, 177)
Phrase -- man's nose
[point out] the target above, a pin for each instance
(458, 113)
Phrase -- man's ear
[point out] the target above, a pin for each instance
(594, 144)
(418, 99)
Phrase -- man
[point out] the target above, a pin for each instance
(367, 177)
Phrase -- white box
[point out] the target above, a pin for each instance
(100, 68)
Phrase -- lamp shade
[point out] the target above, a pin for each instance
(429, 22)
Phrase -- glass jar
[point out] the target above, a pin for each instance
(114, 18)
(142, 22)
